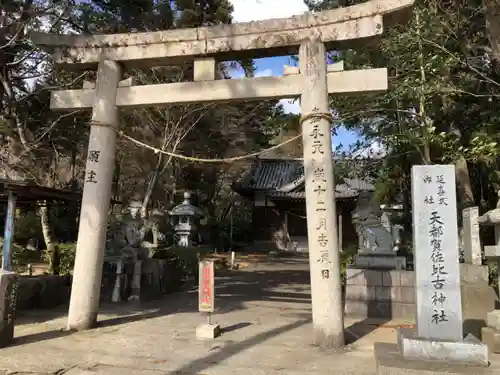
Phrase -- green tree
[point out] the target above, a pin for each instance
(440, 106)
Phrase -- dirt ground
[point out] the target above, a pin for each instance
(264, 310)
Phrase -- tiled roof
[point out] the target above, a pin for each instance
(272, 175)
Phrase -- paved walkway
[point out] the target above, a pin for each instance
(265, 313)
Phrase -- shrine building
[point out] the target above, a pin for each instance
(276, 187)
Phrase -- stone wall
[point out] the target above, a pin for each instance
(43, 291)
(391, 295)
(380, 294)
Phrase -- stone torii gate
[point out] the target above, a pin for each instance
(309, 34)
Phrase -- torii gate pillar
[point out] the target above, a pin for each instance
(85, 292)
(326, 292)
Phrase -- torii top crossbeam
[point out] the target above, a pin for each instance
(254, 39)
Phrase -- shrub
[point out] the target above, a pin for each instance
(27, 227)
(346, 259)
(67, 254)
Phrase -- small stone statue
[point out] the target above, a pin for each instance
(125, 234)
(374, 239)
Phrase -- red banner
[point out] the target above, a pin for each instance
(206, 286)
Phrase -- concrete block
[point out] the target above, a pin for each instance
(380, 262)
(355, 277)
(472, 274)
(407, 278)
(208, 331)
(376, 309)
(368, 309)
(8, 300)
(491, 338)
(403, 294)
(381, 293)
(373, 277)
(492, 252)
(389, 361)
(477, 301)
(468, 351)
(493, 319)
(356, 292)
(401, 310)
(377, 294)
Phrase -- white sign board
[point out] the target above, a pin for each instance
(435, 246)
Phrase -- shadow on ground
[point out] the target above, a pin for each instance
(280, 283)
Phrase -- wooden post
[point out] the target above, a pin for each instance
(87, 273)
(328, 319)
(206, 300)
(8, 236)
(340, 233)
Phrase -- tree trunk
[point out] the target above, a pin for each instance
(492, 14)
(466, 195)
(50, 245)
(150, 187)
(49, 240)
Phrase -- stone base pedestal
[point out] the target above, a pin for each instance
(208, 331)
(416, 355)
(380, 262)
(470, 351)
(8, 300)
(491, 333)
(389, 361)
(491, 338)
(380, 294)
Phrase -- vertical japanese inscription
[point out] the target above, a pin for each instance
(436, 252)
(438, 274)
(92, 157)
(319, 182)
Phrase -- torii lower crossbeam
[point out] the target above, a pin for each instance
(340, 83)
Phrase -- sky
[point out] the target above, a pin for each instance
(256, 10)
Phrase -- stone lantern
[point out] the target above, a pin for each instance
(184, 219)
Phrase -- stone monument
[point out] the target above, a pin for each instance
(376, 243)
(491, 333)
(184, 219)
(470, 237)
(8, 299)
(438, 340)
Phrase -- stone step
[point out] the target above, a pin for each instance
(493, 319)
(491, 337)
